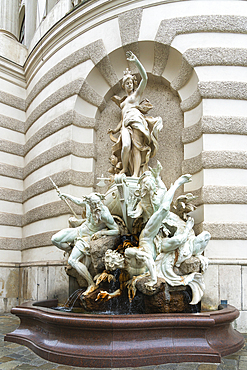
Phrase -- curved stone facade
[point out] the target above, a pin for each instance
(55, 111)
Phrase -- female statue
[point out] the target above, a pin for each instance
(137, 141)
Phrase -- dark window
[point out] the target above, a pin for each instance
(22, 31)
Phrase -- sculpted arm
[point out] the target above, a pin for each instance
(170, 244)
(132, 58)
(78, 201)
(117, 129)
(111, 226)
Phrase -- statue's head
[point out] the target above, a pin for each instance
(147, 182)
(129, 81)
(113, 260)
(94, 200)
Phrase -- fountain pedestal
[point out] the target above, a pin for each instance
(88, 340)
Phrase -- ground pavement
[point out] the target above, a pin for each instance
(14, 356)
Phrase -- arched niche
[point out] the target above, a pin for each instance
(172, 92)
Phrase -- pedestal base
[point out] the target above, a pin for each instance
(88, 340)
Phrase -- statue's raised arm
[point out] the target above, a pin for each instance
(132, 58)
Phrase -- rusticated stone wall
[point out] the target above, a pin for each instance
(55, 107)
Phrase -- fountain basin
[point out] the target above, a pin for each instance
(88, 340)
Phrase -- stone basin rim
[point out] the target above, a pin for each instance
(44, 308)
(91, 340)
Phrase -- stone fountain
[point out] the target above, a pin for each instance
(138, 262)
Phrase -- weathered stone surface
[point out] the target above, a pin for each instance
(170, 300)
(192, 264)
(140, 285)
(73, 273)
(99, 247)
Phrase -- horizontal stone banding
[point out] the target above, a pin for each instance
(10, 219)
(169, 28)
(12, 101)
(215, 159)
(223, 231)
(11, 147)
(50, 210)
(86, 150)
(220, 195)
(84, 179)
(12, 124)
(223, 90)
(215, 125)
(38, 240)
(216, 56)
(69, 118)
(11, 195)
(10, 243)
(11, 171)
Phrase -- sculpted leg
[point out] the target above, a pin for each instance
(126, 146)
(137, 137)
(81, 268)
(137, 257)
(62, 239)
(136, 161)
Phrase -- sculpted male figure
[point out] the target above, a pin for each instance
(146, 251)
(98, 222)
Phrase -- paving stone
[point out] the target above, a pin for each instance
(4, 351)
(5, 359)
(243, 358)
(16, 356)
(62, 367)
(166, 367)
(142, 368)
(13, 345)
(187, 366)
(207, 367)
(242, 365)
(26, 367)
(26, 360)
(9, 365)
(38, 362)
(232, 357)
(47, 366)
(229, 362)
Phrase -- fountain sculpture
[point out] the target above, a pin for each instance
(136, 257)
